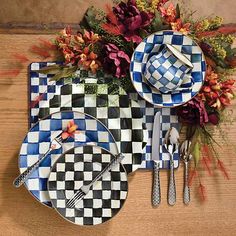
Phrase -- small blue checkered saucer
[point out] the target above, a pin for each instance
(151, 46)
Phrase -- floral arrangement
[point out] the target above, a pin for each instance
(105, 40)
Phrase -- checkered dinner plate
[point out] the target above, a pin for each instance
(78, 167)
(151, 46)
(38, 140)
(110, 104)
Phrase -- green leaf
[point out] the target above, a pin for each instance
(64, 73)
(143, 33)
(157, 23)
(221, 63)
(196, 153)
(53, 69)
(177, 11)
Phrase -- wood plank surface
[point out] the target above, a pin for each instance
(21, 214)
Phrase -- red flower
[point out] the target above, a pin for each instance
(127, 20)
(193, 112)
(214, 118)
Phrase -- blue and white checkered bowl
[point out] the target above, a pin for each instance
(152, 46)
(167, 69)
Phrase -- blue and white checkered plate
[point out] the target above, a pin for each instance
(38, 140)
(151, 46)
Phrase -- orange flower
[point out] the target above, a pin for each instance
(168, 13)
(179, 26)
(91, 37)
(94, 65)
(70, 130)
(217, 104)
(210, 74)
(66, 32)
(89, 60)
(77, 49)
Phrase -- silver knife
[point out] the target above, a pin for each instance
(156, 191)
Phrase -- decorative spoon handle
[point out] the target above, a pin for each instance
(186, 187)
(156, 191)
(171, 187)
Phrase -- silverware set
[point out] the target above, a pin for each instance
(171, 144)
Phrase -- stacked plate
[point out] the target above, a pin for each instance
(108, 123)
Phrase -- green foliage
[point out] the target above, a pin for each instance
(177, 11)
(158, 23)
(196, 153)
(58, 71)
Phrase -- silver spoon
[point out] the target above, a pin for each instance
(186, 157)
(171, 143)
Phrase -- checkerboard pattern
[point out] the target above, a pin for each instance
(40, 136)
(168, 114)
(78, 167)
(121, 116)
(151, 46)
(168, 119)
(165, 72)
(41, 89)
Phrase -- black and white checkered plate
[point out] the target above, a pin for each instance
(77, 167)
(110, 105)
(40, 136)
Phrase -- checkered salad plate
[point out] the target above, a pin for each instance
(78, 167)
(38, 140)
(151, 46)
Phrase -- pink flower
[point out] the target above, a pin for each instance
(116, 61)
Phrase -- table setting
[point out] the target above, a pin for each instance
(128, 92)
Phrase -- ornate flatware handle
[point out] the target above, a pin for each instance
(186, 187)
(156, 190)
(171, 187)
(25, 175)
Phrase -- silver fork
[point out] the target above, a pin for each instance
(55, 144)
(83, 191)
(186, 157)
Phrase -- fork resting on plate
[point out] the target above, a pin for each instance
(83, 191)
(55, 144)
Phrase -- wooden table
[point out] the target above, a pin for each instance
(21, 214)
